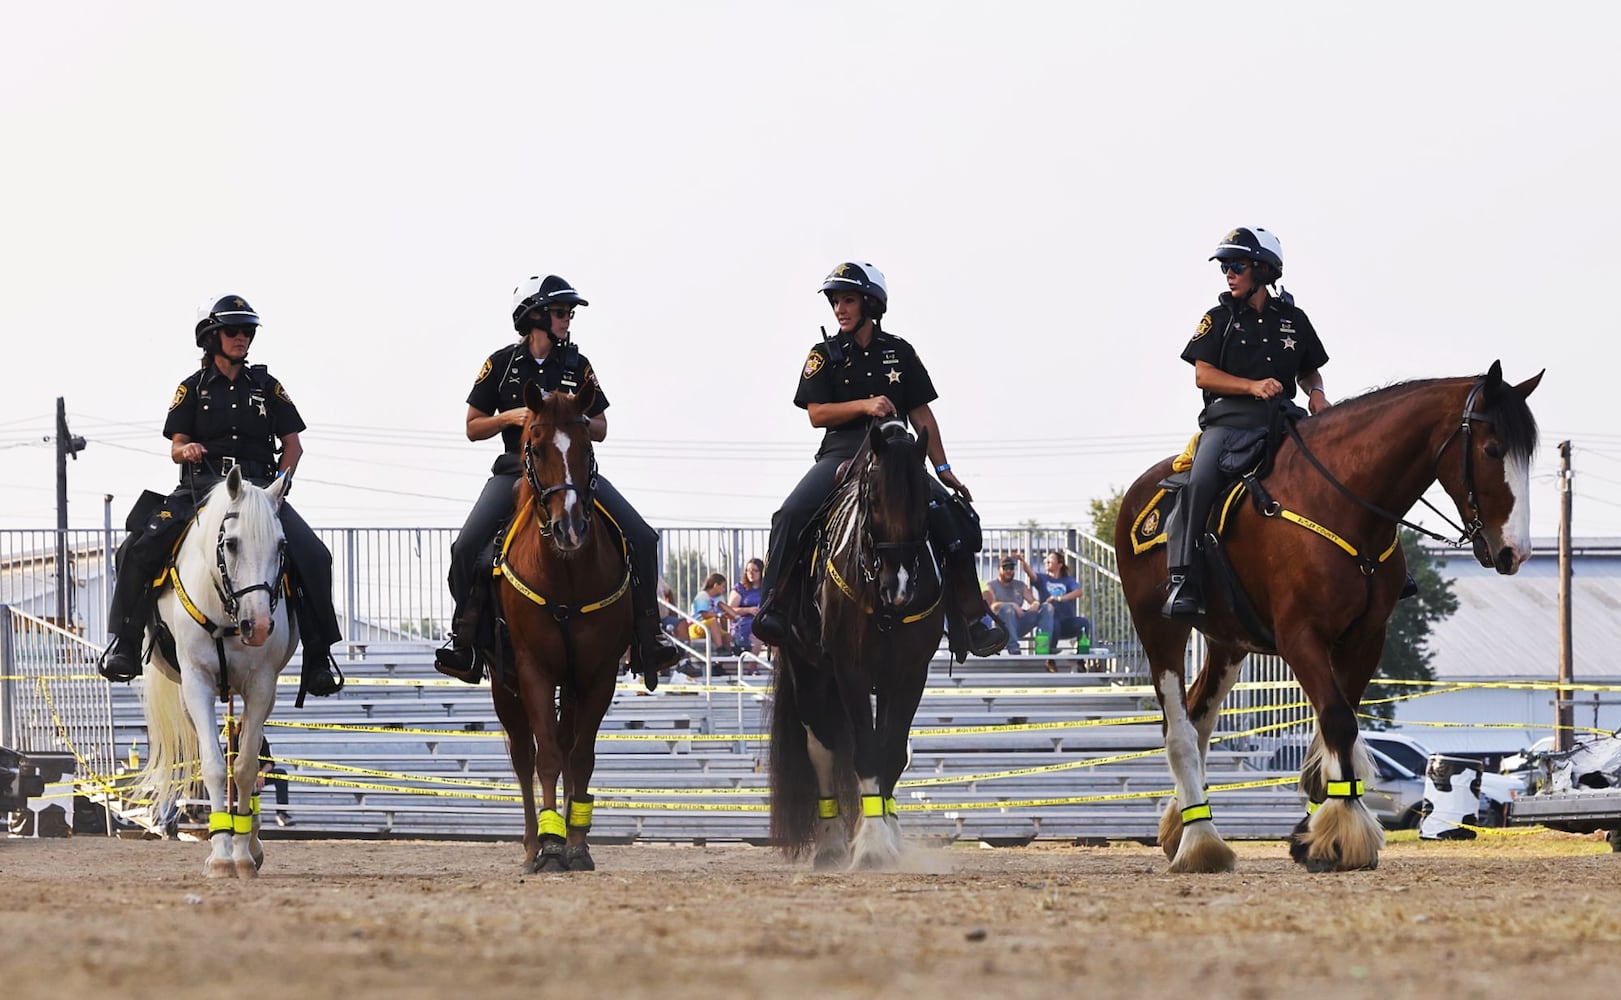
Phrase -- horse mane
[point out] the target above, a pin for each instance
(893, 478)
(256, 514)
(1515, 424)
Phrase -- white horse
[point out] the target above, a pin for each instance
(221, 597)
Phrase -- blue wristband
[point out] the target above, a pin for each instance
(943, 467)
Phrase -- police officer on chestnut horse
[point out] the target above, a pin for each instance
(542, 310)
(1248, 354)
(849, 380)
(225, 414)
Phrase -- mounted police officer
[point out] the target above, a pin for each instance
(225, 414)
(1248, 355)
(542, 310)
(863, 374)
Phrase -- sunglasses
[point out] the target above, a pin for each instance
(561, 313)
(238, 331)
(1234, 266)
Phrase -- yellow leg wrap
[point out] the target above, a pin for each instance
(1311, 807)
(219, 822)
(579, 815)
(890, 808)
(242, 822)
(551, 822)
(1193, 814)
(827, 808)
(1345, 789)
(254, 802)
(872, 806)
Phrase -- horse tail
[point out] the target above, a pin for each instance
(172, 750)
(793, 779)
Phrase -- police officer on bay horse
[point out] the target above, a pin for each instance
(227, 413)
(1247, 353)
(542, 311)
(863, 374)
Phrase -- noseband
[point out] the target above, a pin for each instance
(542, 493)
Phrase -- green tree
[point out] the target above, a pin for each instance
(1105, 513)
(1407, 654)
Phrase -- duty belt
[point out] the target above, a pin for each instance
(223, 465)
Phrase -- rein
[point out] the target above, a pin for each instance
(868, 561)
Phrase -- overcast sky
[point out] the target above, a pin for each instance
(1042, 184)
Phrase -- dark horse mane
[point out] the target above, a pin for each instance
(1516, 426)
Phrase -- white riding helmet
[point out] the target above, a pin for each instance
(1246, 243)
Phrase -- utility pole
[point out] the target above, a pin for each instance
(1564, 737)
(66, 444)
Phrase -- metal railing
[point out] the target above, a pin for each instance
(51, 698)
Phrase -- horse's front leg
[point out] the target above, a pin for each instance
(539, 688)
(872, 847)
(248, 853)
(584, 703)
(1209, 690)
(521, 751)
(824, 723)
(197, 689)
(897, 707)
(1341, 834)
(1199, 847)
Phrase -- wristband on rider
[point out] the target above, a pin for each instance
(1315, 388)
(942, 467)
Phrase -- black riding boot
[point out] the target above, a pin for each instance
(138, 561)
(319, 671)
(970, 626)
(1186, 598)
(651, 651)
(460, 658)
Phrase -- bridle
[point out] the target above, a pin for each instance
(542, 493)
(872, 562)
(232, 596)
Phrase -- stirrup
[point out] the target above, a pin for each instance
(461, 662)
(119, 665)
(321, 674)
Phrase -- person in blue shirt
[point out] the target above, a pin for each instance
(1060, 596)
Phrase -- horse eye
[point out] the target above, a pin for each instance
(230, 545)
(1493, 450)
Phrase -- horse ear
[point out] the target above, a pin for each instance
(1492, 386)
(875, 437)
(233, 482)
(275, 491)
(922, 445)
(1529, 386)
(587, 397)
(533, 396)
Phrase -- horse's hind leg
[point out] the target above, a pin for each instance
(1200, 847)
(895, 714)
(521, 751)
(872, 847)
(1209, 690)
(1341, 835)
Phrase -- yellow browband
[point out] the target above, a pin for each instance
(504, 568)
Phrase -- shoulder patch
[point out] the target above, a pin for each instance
(484, 373)
(179, 396)
(813, 363)
(591, 374)
(1204, 327)
(282, 393)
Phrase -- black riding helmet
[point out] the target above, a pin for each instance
(215, 315)
(536, 292)
(863, 277)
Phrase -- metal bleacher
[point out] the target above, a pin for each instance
(405, 752)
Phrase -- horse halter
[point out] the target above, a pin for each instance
(1473, 531)
(542, 493)
(232, 596)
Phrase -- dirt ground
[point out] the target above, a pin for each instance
(1515, 916)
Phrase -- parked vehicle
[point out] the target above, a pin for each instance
(1395, 794)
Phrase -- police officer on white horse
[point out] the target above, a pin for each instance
(225, 414)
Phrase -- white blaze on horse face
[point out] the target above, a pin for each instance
(570, 497)
(1517, 526)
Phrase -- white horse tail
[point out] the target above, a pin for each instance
(172, 769)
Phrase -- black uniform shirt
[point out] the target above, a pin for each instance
(1278, 342)
(240, 418)
(500, 383)
(886, 367)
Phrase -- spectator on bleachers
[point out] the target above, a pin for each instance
(669, 618)
(745, 600)
(272, 773)
(1060, 596)
(1011, 601)
(711, 614)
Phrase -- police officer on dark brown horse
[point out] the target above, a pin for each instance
(542, 310)
(848, 380)
(1248, 355)
(226, 414)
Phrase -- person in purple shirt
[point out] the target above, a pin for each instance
(1060, 596)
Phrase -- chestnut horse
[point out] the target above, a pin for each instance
(878, 587)
(1322, 570)
(565, 597)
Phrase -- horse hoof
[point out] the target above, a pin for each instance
(577, 858)
(247, 869)
(551, 863)
(831, 862)
(220, 868)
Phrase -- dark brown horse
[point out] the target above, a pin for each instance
(564, 594)
(1322, 570)
(843, 710)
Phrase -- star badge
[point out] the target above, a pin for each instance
(894, 376)
(1288, 343)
